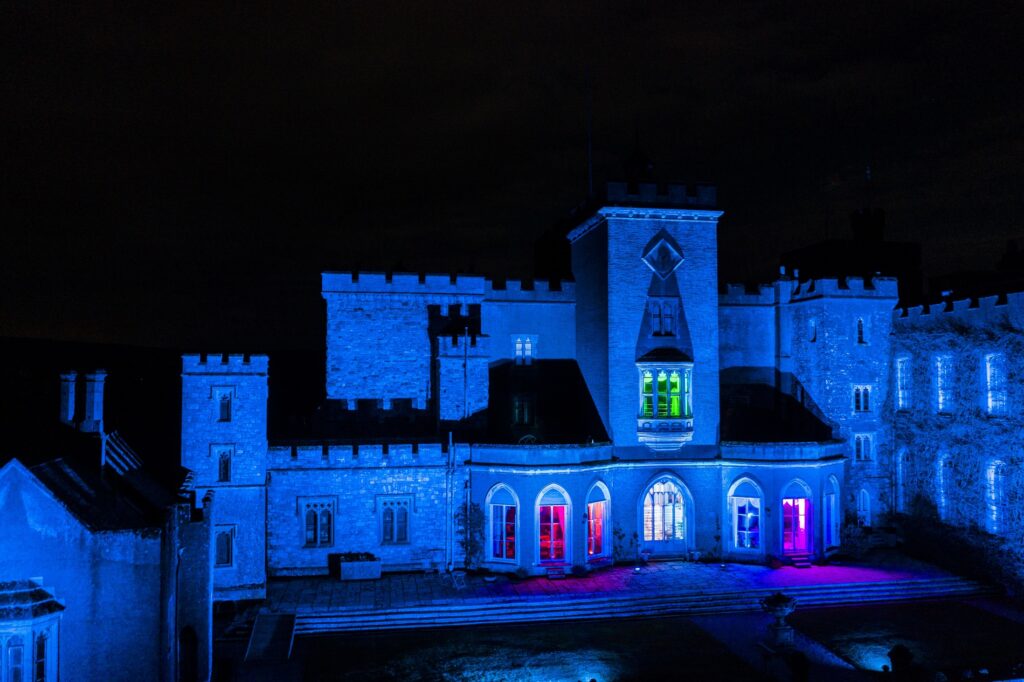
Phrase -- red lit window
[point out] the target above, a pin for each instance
(595, 528)
(552, 532)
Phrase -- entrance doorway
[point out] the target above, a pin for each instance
(796, 515)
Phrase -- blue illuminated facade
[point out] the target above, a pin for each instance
(539, 427)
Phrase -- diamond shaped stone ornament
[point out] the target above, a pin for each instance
(663, 255)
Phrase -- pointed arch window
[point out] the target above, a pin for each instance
(552, 511)
(597, 517)
(863, 508)
(745, 502)
(318, 518)
(647, 393)
(664, 513)
(503, 518)
(394, 519)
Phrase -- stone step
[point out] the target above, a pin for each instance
(308, 623)
(835, 590)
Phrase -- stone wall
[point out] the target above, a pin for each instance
(241, 508)
(355, 480)
(941, 461)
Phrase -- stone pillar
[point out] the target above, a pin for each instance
(92, 420)
(67, 397)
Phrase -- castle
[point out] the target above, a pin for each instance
(548, 427)
(535, 428)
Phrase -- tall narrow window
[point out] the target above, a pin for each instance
(862, 447)
(662, 394)
(863, 508)
(861, 398)
(944, 383)
(39, 667)
(224, 541)
(595, 527)
(522, 410)
(746, 522)
(15, 660)
(995, 382)
(860, 331)
(647, 391)
(224, 465)
(943, 482)
(903, 383)
(901, 465)
(812, 330)
(527, 350)
(551, 515)
(224, 407)
(312, 520)
(394, 520)
(318, 520)
(995, 484)
(674, 395)
(668, 320)
(519, 350)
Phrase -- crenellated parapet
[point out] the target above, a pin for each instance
(217, 363)
(741, 295)
(540, 291)
(357, 456)
(843, 287)
(970, 311)
(458, 346)
(671, 194)
(436, 287)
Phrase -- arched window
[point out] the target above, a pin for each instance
(597, 517)
(812, 330)
(745, 502)
(503, 514)
(552, 512)
(995, 484)
(664, 513)
(318, 521)
(326, 523)
(831, 512)
(863, 508)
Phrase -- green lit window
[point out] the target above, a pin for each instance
(662, 394)
(688, 395)
(673, 394)
(647, 409)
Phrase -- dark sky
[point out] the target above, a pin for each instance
(177, 174)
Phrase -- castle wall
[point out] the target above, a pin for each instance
(590, 267)
(378, 343)
(545, 313)
(747, 335)
(940, 464)
(356, 481)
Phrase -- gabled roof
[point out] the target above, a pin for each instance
(25, 600)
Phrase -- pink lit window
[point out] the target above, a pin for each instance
(595, 528)
(795, 513)
(552, 532)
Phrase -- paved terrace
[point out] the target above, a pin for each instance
(659, 579)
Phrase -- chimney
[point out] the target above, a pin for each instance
(67, 397)
(92, 422)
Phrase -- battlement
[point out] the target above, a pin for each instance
(979, 310)
(843, 287)
(739, 294)
(402, 283)
(223, 363)
(363, 456)
(670, 195)
(540, 291)
(479, 346)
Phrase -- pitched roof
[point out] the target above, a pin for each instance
(25, 600)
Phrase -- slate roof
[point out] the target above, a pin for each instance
(25, 600)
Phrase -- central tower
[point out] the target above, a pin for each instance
(647, 314)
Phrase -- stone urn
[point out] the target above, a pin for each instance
(779, 606)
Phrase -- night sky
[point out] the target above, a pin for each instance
(178, 174)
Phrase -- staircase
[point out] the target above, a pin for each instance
(271, 638)
(519, 610)
(800, 560)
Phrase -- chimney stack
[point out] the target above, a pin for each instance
(67, 397)
(92, 422)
